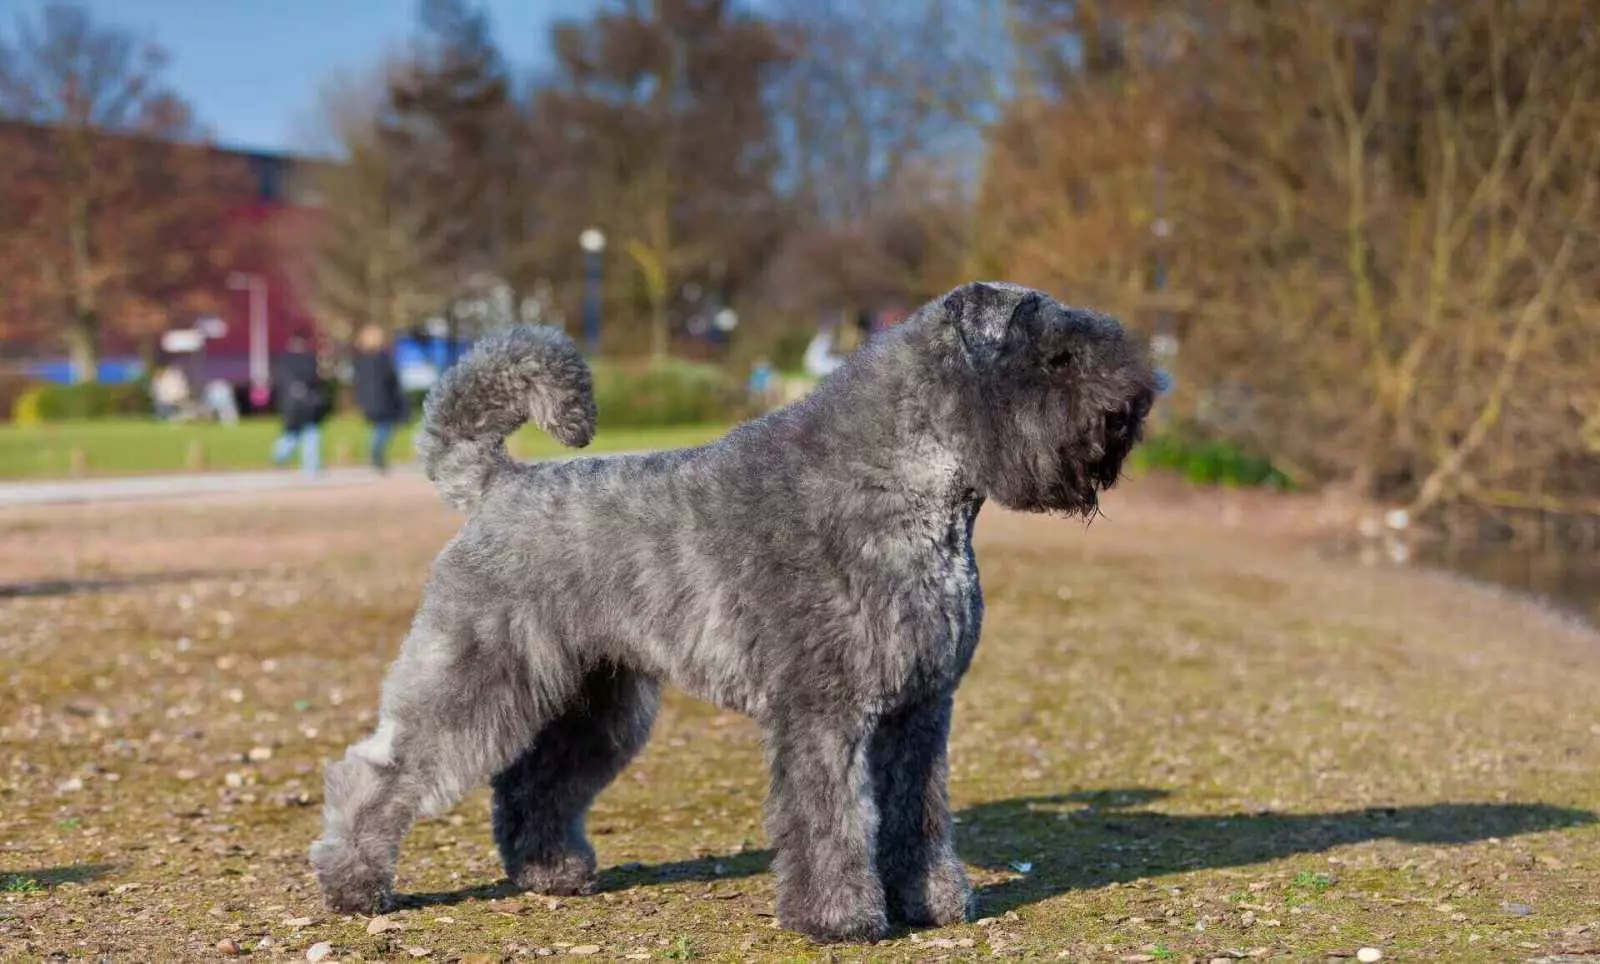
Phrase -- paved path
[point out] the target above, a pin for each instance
(139, 487)
(184, 485)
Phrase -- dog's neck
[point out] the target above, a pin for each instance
(871, 424)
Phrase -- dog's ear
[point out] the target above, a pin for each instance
(984, 315)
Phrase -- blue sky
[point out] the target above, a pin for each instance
(252, 68)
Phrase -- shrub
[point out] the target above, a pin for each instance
(654, 395)
(60, 403)
(1204, 461)
(13, 385)
(789, 348)
(666, 393)
(25, 410)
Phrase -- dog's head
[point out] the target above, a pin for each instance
(1049, 399)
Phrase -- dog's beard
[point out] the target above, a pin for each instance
(1097, 466)
(1064, 474)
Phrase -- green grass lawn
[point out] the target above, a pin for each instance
(140, 446)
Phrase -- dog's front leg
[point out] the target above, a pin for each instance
(923, 880)
(822, 821)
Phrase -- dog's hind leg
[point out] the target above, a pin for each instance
(822, 821)
(923, 880)
(541, 799)
(452, 715)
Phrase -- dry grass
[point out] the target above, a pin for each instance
(1185, 737)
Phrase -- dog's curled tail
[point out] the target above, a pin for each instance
(526, 373)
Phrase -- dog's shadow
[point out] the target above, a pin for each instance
(1050, 845)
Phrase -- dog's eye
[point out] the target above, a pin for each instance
(1057, 360)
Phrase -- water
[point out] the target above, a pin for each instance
(1568, 580)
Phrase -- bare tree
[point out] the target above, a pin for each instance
(373, 252)
(117, 216)
(881, 138)
(453, 120)
(1382, 224)
(655, 126)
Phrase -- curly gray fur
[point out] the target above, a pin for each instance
(510, 378)
(813, 568)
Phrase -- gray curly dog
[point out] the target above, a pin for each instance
(813, 569)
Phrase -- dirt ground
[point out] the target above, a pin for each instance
(1187, 736)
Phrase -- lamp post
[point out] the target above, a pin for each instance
(256, 286)
(593, 243)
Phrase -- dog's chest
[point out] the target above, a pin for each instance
(954, 601)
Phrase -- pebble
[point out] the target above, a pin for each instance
(418, 951)
(380, 924)
(299, 921)
(1369, 955)
(585, 949)
(320, 951)
(72, 785)
(230, 947)
(260, 754)
(266, 943)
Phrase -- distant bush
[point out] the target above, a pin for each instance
(13, 385)
(1208, 461)
(61, 403)
(789, 348)
(414, 399)
(666, 393)
(652, 395)
(25, 410)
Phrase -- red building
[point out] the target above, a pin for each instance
(252, 306)
(258, 305)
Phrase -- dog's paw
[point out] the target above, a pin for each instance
(942, 897)
(349, 883)
(572, 875)
(841, 914)
(357, 901)
(864, 928)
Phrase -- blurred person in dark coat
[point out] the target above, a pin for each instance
(378, 394)
(303, 401)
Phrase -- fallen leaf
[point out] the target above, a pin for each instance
(380, 924)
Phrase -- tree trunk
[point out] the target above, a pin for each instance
(658, 329)
(83, 346)
(149, 355)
